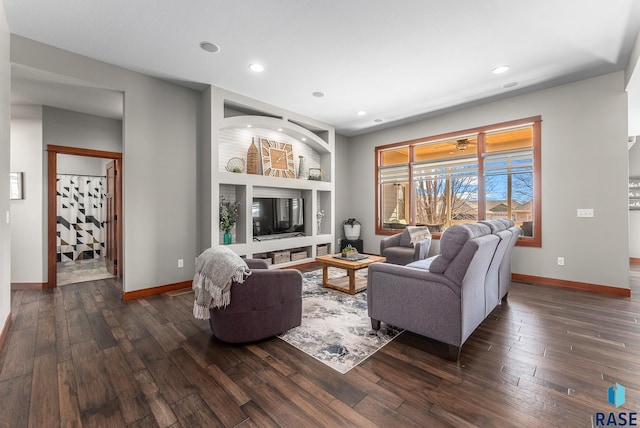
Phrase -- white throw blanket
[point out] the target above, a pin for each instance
(216, 269)
(418, 234)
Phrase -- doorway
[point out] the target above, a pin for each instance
(112, 221)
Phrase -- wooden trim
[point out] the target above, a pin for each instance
(129, 295)
(28, 285)
(52, 167)
(448, 135)
(536, 241)
(78, 151)
(5, 331)
(535, 121)
(584, 286)
(634, 260)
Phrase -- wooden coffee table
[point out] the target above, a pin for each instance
(349, 284)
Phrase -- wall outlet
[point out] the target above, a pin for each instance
(560, 261)
(180, 263)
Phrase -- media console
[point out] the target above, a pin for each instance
(277, 236)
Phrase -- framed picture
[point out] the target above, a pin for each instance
(315, 174)
(15, 185)
(277, 159)
(634, 193)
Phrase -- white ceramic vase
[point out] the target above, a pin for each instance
(352, 232)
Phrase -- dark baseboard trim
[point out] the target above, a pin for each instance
(595, 288)
(5, 331)
(129, 295)
(28, 285)
(634, 260)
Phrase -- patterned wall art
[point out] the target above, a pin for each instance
(81, 213)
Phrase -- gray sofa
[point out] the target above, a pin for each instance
(443, 297)
(501, 227)
(268, 303)
(399, 250)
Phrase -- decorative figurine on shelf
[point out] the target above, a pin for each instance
(228, 216)
(235, 165)
(319, 215)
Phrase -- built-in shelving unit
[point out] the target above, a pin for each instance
(237, 122)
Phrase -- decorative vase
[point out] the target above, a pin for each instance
(253, 162)
(352, 232)
(227, 237)
(302, 168)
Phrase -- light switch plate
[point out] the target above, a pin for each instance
(585, 212)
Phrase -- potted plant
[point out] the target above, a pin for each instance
(351, 229)
(228, 216)
(349, 251)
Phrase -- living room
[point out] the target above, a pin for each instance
(169, 132)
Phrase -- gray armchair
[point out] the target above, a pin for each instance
(399, 250)
(268, 303)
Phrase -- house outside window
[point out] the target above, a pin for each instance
(488, 173)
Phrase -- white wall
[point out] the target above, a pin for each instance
(204, 166)
(345, 174)
(584, 165)
(28, 225)
(159, 151)
(634, 216)
(5, 117)
(73, 129)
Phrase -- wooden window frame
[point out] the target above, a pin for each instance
(534, 121)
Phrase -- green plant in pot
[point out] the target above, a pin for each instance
(351, 229)
(349, 250)
(229, 212)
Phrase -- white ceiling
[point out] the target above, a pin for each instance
(397, 61)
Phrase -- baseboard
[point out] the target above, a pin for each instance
(5, 331)
(595, 288)
(129, 295)
(28, 285)
(634, 260)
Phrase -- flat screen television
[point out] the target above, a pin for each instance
(277, 216)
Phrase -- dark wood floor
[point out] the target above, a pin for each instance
(80, 356)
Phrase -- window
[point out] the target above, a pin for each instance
(486, 173)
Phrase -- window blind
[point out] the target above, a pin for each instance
(455, 168)
(514, 162)
(394, 174)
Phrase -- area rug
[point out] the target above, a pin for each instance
(336, 329)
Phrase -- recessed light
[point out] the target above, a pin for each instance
(209, 47)
(500, 69)
(509, 85)
(249, 126)
(361, 113)
(303, 139)
(378, 120)
(318, 94)
(279, 129)
(258, 68)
